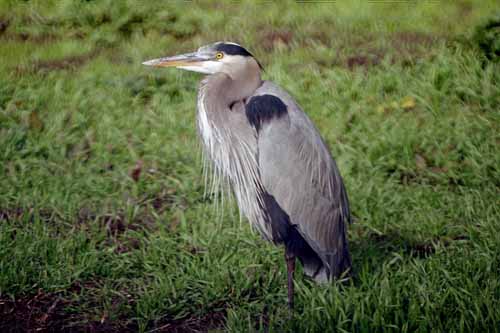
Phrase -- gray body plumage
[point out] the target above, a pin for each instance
(286, 159)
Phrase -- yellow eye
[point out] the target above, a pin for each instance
(219, 55)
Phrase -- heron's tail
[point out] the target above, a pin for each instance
(319, 271)
(330, 266)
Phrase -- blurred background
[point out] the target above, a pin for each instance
(105, 223)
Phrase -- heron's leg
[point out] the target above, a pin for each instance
(290, 267)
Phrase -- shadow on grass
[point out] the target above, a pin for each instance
(376, 249)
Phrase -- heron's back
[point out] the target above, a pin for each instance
(298, 170)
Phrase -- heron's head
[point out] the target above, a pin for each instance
(220, 57)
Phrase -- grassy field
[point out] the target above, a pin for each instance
(104, 221)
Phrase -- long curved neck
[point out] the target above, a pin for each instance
(225, 88)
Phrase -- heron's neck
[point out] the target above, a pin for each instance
(233, 87)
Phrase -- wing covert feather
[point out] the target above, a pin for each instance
(297, 169)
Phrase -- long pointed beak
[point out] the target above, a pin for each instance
(188, 59)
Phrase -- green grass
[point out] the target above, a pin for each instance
(402, 92)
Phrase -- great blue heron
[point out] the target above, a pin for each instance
(282, 174)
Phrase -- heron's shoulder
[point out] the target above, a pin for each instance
(271, 88)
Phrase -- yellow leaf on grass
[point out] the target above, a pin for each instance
(408, 103)
(380, 109)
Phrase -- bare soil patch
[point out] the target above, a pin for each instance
(213, 321)
(52, 312)
(26, 37)
(41, 312)
(4, 24)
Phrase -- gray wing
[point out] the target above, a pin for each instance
(296, 168)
